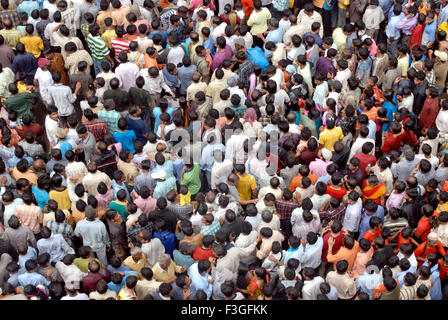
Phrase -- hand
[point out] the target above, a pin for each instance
(186, 293)
(172, 94)
(4, 180)
(330, 242)
(211, 280)
(78, 86)
(272, 258)
(303, 241)
(183, 269)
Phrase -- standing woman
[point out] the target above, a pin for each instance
(229, 16)
(258, 21)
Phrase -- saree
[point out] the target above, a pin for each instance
(374, 193)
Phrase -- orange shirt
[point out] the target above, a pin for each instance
(28, 175)
(381, 288)
(372, 114)
(370, 236)
(296, 181)
(345, 254)
(402, 240)
(423, 228)
(423, 250)
(78, 216)
(150, 62)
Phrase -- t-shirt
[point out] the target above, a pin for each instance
(192, 179)
(258, 21)
(330, 136)
(127, 139)
(339, 194)
(245, 186)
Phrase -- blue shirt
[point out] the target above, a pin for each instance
(138, 126)
(162, 33)
(326, 7)
(182, 259)
(391, 29)
(178, 164)
(364, 225)
(208, 45)
(127, 139)
(27, 63)
(157, 112)
(430, 31)
(391, 109)
(186, 77)
(116, 187)
(368, 282)
(436, 289)
(30, 254)
(121, 268)
(207, 158)
(64, 146)
(401, 274)
(386, 5)
(28, 7)
(33, 278)
(14, 160)
(200, 282)
(168, 240)
(170, 79)
(167, 167)
(41, 197)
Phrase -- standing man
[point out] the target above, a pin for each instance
(98, 48)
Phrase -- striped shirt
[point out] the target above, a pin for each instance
(97, 47)
(30, 216)
(110, 118)
(119, 45)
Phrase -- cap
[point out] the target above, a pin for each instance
(144, 235)
(442, 55)
(59, 133)
(336, 84)
(232, 81)
(240, 41)
(186, 247)
(159, 175)
(41, 62)
(433, 236)
(291, 69)
(364, 37)
(327, 154)
(72, 285)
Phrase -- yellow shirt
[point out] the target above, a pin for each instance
(136, 266)
(162, 275)
(62, 198)
(259, 21)
(403, 65)
(185, 199)
(329, 137)
(22, 87)
(246, 185)
(33, 44)
(107, 37)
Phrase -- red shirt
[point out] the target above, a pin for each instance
(202, 254)
(443, 271)
(402, 240)
(429, 113)
(423, 228)
(339, 194)
(35, 127)
(423, 250)
(392, 142)
(416, 37)
(337, 244)
(365, 159)
(409, 137)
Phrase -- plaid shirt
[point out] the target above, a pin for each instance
(182, 212)
(244, 72)
(85, 30)
(332, 214)
(30, 216)
(62, 228)
(182, 259)
(132, 234)
(97, 127)
(110, 118)
(211, 229)
(10, 14)
(285, 208)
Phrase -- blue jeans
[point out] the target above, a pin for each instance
(97, 66)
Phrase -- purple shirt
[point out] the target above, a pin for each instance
(407, 25)
(325, 66)
(394, 200)
(220, 56)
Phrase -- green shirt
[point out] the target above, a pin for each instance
(97, 47)
(83, 264)
(120, 207)
(20, 103)
(192, 179)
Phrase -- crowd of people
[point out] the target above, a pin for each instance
(225, 150)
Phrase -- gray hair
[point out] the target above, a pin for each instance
(164, 258)
(135, 250)
(266, 215)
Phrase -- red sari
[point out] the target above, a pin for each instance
(248, 6)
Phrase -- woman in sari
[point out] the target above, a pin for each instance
(256, 283)
(375, 190)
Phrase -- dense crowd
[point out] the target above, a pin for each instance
(225, 150)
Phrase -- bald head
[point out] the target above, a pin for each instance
(196, 77)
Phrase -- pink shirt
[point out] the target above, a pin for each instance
(105, 199)
(360, 263)
(394, 200)
(146, 205)
(319, 167)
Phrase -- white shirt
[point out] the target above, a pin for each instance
(50, 126)
(175, 55)
(343, 76)
(352, 216)
(311, 255)
(412, 260)
(442, 121)
(234, 147)
(62, 97)
(218, 31)
(243, 241)
(45, 81)
(407, 103)
(311, 288)
(127, 73)
(154, 85)
(357, 146)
